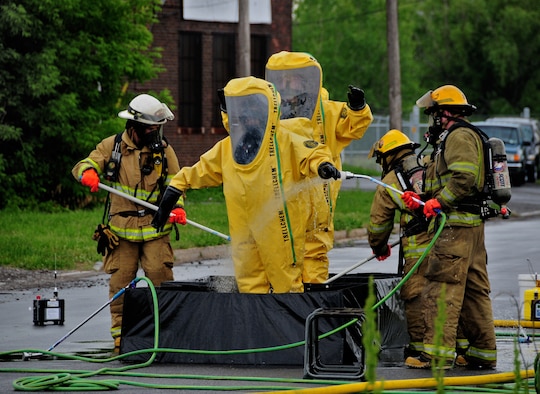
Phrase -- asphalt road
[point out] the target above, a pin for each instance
(513, 247)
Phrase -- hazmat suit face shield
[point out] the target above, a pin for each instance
(248, 118)
(299, 90)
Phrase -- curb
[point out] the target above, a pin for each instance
(342, 238)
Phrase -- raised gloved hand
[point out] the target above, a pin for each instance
(432, 208)
(327, 170)
(105, 238)
(357, 98)
(411, 200)
(384, 255)
(169, 200)
(222, 102)
(90, 178)
(179, 216)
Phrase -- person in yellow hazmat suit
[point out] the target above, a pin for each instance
(264, 169)
(298, 78)
(403, 170)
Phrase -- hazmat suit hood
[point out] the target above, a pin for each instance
(298, 79)
(253, 113)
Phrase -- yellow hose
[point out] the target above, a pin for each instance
(424, 383)
(517, 323)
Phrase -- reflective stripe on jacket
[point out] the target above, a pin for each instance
(131, 181)
(457, 173)
(385, 204)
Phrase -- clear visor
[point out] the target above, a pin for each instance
(425, 101)
(160, 116)
(299, 90)
(373, 150)
(248, 117)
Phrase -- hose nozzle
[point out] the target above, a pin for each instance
(346, 175)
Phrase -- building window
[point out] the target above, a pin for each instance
(259, 55)
(189, 80)
(224, 55)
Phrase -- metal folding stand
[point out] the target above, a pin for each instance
(314, 366)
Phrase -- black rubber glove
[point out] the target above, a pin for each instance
(383, 254)
(222, 103)
(327, 170)
(169, 200)
(105, 238)
(357, 98)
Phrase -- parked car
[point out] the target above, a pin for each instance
(513, 136)
(532, 133)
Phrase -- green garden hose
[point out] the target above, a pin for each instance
(79, 380)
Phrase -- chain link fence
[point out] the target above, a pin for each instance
(356, 154)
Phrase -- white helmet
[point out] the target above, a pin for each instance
(147, 109)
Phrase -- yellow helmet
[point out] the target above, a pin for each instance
(392, 141)
(446, 97)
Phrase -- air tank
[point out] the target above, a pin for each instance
(501, 188)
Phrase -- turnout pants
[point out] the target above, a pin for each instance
(457, 266)
(156, 258)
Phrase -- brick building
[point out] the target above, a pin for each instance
(200, 57)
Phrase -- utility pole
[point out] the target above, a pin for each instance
(394, 69)
(244, 39)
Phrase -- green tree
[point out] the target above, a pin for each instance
(486, 47)
(348, 38)
(63, 64)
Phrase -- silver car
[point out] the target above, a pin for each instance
(513, 136)
(531, 133)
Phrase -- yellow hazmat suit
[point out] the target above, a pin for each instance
(298, 79)
(264, 168)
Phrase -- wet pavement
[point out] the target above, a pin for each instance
(510, 254)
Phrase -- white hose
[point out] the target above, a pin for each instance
(349, 175)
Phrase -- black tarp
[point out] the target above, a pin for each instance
(197, 316)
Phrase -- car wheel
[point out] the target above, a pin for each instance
(532, 173)
(518, 178)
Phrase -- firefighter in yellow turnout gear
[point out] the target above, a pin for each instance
(142, 167)
(458, 260)
(403, 170)
(263, 167)
(298, 79)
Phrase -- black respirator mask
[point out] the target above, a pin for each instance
(152, 140)
(435, 128)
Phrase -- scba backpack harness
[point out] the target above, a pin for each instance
(410, 175)
(107, 240)
(496, 186)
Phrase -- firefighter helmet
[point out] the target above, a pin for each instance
(148, 110)
(391, 142)
(447, 97)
